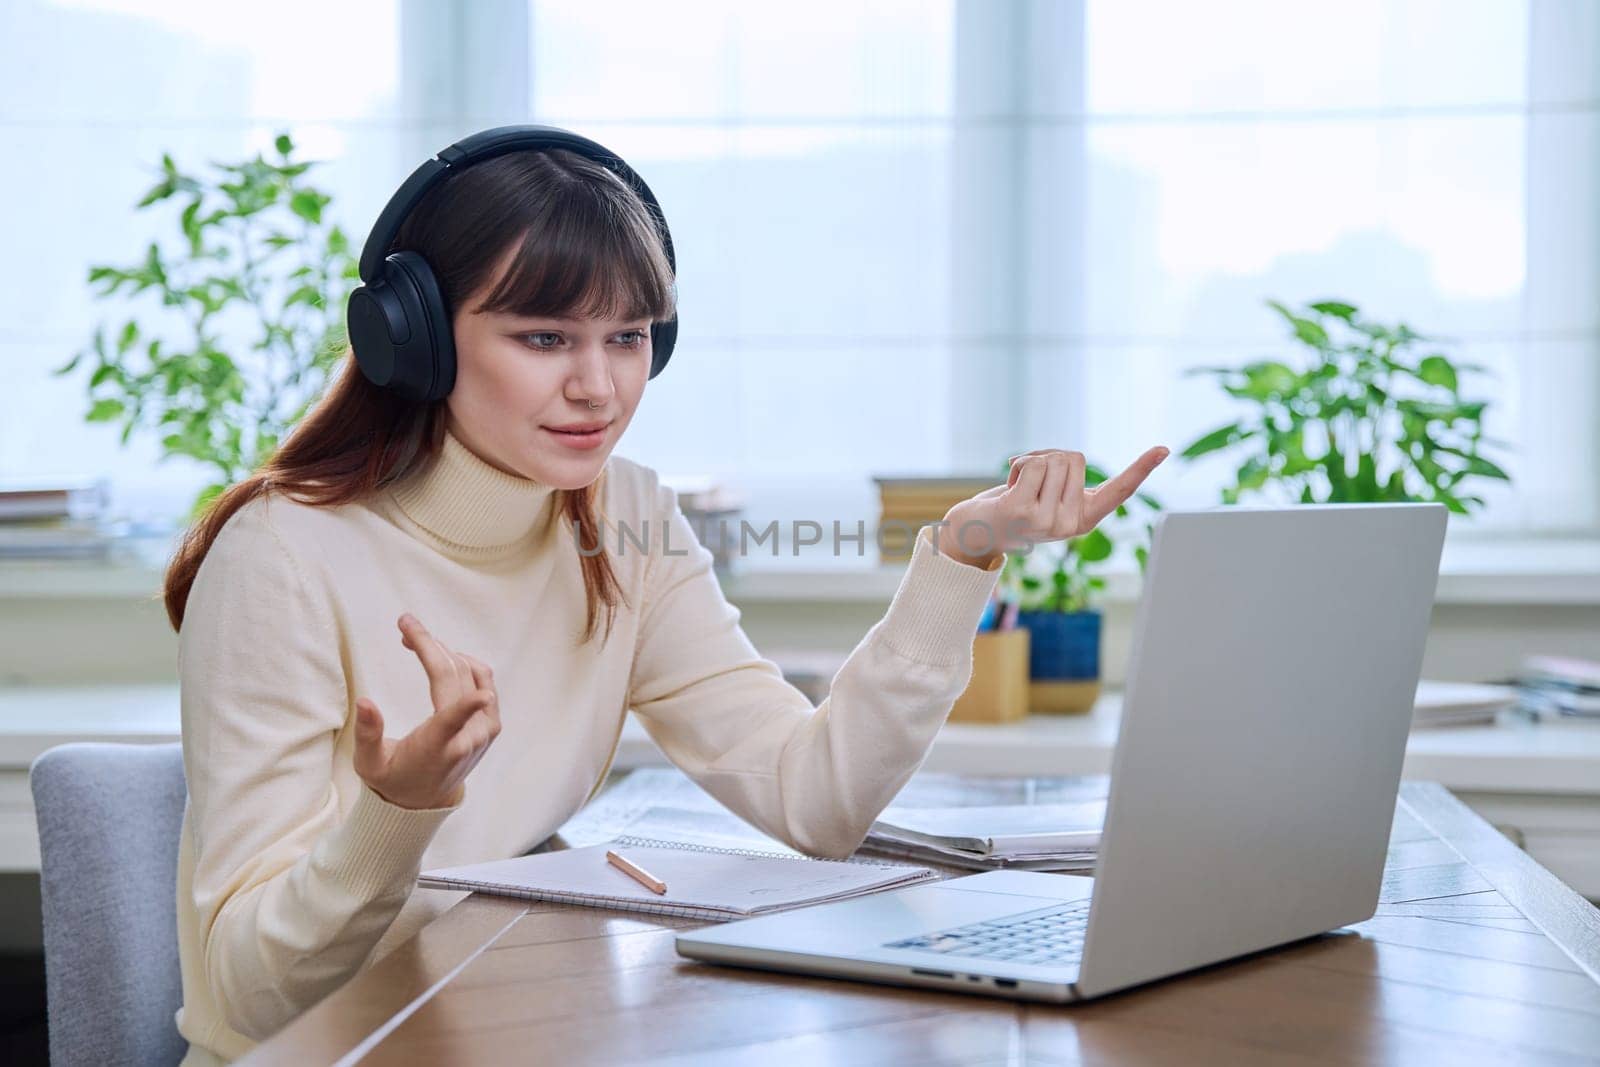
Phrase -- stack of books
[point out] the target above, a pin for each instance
(1460, 703)
(55, 521)
(1556, 687)
(918, 501)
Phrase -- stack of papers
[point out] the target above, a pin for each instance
(1457, 703)
(1036, 837)
(663, 805)
(1556, 687)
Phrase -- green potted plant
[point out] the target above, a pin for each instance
(1057, 588)
(1365, 412)
(245, 316)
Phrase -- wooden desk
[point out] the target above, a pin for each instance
(1476, 955)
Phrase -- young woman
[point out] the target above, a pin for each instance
(408, 594)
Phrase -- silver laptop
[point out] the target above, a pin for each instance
(1274, 667)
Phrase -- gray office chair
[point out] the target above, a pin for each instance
(109, 818)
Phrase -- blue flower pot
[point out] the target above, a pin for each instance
(1063, 660)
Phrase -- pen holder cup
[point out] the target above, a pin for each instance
(998, 689)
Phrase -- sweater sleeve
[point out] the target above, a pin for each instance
(291, 895)
(814, 777)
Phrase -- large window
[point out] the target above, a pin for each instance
(1434, 161)
(92, 92)
(912, 236)
(804, 157)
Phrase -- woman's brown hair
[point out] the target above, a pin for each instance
(585, 245)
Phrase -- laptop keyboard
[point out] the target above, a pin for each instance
(1048, 936)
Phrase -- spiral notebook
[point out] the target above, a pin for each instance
(703, 881)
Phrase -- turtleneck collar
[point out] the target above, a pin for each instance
(470, 504)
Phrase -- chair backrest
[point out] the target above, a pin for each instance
(109, 819)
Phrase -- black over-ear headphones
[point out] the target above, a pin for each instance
(398, 321)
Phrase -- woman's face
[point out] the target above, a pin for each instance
(520, 381)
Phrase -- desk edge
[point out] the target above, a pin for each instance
(1565, 917)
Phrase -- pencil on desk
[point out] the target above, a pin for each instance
(637, 873)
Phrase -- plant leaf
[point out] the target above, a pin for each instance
(1221, 437)
(308, 204)
(105, 410)
(1437, 370)
(1479, 465)
(1337, 309)
(1092, 547)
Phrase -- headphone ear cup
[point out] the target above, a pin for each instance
(663, 339)
(388, 330)
(377, 327)
(428, 358)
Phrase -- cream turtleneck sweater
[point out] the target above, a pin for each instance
(293, 875)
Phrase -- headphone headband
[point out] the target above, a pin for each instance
(486, 144)
(398, 319)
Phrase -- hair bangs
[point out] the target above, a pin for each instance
(587, 256)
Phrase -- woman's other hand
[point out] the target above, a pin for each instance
(1044, 499)
(428, 767)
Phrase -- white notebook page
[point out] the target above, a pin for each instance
(711, 882)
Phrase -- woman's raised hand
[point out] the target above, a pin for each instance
(428, 767)
(1044, 499)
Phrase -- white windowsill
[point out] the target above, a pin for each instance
(1525, 572)
(1512, 755)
